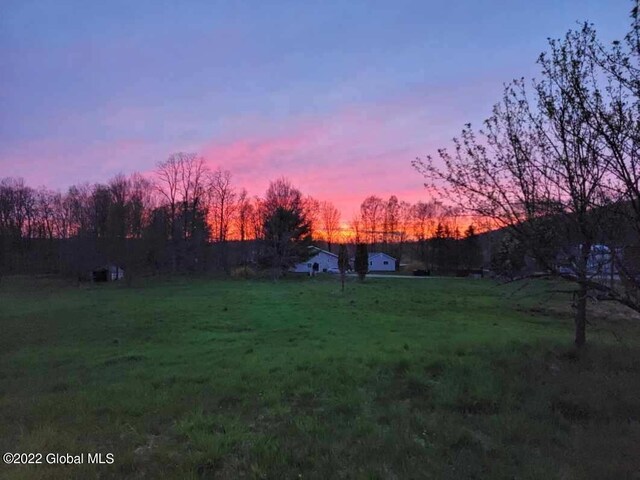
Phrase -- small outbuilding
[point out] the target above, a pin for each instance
(319, 261)
(107, 273)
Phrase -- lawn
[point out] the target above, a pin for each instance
(395, 378)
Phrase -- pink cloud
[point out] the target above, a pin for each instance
(342, 158)
(54, 164)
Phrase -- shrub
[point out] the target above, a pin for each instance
(243, 272)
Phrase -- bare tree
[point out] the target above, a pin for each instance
(193, 180)
(168, 178)
(118, 209)
(45, 213)
(356, 227)
(79, 205)
(257, 215)
(424, 220)
(402, 228)
(181, 183)
(311, 208)
(223, 203)
(62, 215)
(282, 194)
(244, 212)
(329, 222)
(372, 218)
(391, 220)
(140, 204)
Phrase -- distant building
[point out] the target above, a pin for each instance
(381, 262)
(631, 259)
(107, 273)
(602, 262)
(325, 261)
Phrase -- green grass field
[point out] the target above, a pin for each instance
(393, 379)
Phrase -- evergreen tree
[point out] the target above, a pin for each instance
(361, 263)
(286, 228)
(508, 258)
(438, 247)
(471, 251)
(287, 237)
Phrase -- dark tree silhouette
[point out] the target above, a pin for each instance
(343, 262)
(287, 239)
(538, 169)
(330, 222)
(286, 230)
(471, 251)
(361, 261)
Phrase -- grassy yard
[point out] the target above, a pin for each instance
(394, 379)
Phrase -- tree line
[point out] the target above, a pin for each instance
(165, 222)
(431, 233)
(187, 217)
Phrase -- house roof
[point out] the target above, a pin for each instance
(319, 250)
(375, 254)
(108, 266)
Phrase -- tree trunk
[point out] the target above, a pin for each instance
(581, 306)
(581, 316)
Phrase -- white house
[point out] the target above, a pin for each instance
(325, 260)
(115, 273)
(381, 262)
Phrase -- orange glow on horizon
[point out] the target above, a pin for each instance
(456, 225)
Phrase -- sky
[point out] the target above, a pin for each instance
(337, 96)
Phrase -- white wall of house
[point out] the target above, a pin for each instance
(115, 273)
(381, 262)
(324, 259)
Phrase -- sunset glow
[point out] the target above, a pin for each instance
(90, 91)
(290, 239)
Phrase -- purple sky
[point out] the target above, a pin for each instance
(337, 96)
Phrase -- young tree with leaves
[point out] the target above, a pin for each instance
(536, 168)
(343, 262)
